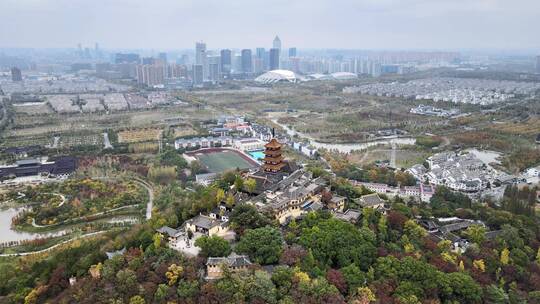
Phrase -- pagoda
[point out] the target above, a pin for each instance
(273, 160)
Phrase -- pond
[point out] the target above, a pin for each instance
(8, 234)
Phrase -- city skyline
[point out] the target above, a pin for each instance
(365, 24)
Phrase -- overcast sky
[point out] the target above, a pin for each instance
(353, 24)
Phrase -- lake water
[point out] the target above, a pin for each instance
(8, 234)
(347, 148)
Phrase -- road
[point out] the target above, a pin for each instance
(150, 203)
(82, 217)
(52, 247)
(393, 156)
(148, 187)
(106, 141)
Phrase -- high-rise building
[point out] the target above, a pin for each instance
(274, 59)
(277, 43)
(197, 77)
(292, 52)
(214, 67)
(148, 60)
(258, 65)
(213, 71)
(226, 61)
(126, 58)
(538, 64)
(79, 50)
(97, 51)
(262, 56)
(200, 57)
(246, 61)
(176, 71)
(163, 57)
(150, 74)
(16, 74)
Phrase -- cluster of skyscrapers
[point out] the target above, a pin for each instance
(204, 66)
(209, 66)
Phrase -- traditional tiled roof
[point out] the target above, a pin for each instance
(350, 215)
(232, 260)
(273, 144)
(167, 230)
(203, 221)
(370, 200)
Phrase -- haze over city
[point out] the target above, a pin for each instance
(350, 24)
(279, 151)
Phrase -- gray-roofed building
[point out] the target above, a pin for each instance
(234, 262)
(112, 254)
(351, 215)
(464, 224)
(207, 225)
(371, 201)
(171, 234)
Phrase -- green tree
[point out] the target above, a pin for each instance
(238, 183)
(126, 280)
(495, 295)
(137, 300)
(282, 278)
(464, 288)
(213, 246)
(335, 243)
(260, 287)
(354, 277)
(187, 289)
(220, 195)
(476, 233)
(251, 185)
(245, 217)
(414, 231)
(161, 292)
(230, 201)
(263, 245)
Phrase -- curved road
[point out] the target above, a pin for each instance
(52, 247)
(145, 185)
(150, 203)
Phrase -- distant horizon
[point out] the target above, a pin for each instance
(509, 51)
(305, 24)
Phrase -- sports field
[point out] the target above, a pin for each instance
(220, 161)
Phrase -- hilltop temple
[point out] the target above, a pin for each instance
(273, 160)
(275, 167)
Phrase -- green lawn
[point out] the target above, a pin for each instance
(222, 161)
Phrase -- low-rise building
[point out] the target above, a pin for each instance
(350, 215)
(60, 167)
(421, 192)
(206, 225)
(372, 201)
(336, 203)
(292, 196)
(234, 263)
(249, 144)
(171, 235)
(202, 142)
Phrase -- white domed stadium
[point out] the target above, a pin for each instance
(343, 76)
(277, 76)
(319, 76)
